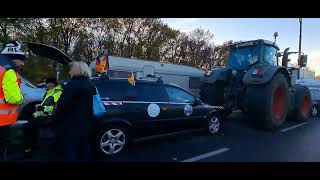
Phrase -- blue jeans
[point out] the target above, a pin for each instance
(77, 151)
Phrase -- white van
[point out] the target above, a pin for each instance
(184, 76)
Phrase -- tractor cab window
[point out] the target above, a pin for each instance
(242, 57)
(270, 55)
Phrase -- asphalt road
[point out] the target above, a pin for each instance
(294, 142)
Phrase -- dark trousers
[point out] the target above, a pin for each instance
(79, 150)
(4, 141)
(31, 134)
(32, 130)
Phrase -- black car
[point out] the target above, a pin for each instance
(148, 108)
(315, 96)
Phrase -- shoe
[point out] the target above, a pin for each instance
(27, 153)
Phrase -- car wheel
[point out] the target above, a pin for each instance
(113, 140)
(314, 111)
(214, 124)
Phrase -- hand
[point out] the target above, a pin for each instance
(37, 114)
(46, 109)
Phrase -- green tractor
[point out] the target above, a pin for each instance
(254, 82)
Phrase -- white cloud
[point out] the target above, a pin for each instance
(183, 24)
(189, 24)
(314, 60)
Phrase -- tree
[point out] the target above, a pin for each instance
(65, 31)
(85, 38)
(9, 28)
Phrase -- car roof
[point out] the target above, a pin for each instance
(125, 80)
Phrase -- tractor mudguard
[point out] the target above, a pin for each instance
(218, 74)
(268, 72)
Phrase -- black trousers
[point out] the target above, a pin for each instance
(4, 141)
(78, 150)
(32, 131)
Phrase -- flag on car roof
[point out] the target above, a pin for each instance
(131, 79)
(102, 63)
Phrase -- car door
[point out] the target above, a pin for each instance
(184, 110)
(150, 106)
(112, 96)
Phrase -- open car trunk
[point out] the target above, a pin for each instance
(49, 52)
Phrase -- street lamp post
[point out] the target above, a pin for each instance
(58, 70)
(300, 36)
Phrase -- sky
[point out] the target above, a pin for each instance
(236, 29)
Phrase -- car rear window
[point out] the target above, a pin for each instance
(151, 92)
(315, 93)
(178, 95)
(112, 91)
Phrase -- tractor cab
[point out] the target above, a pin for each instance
(243, 55)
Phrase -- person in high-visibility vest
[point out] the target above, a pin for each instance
(10, 93)
(43, 115)
(54, 91)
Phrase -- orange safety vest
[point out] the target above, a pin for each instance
(8, 112)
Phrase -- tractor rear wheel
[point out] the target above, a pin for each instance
(302, 104)
(268, 103)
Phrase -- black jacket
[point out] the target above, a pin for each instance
(73, 116)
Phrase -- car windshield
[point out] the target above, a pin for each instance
(242, 57)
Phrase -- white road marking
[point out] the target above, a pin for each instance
(203, 156)
(293, 127)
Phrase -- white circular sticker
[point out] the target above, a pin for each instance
(188, 110)
(153, 110)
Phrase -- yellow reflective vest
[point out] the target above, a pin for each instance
(10, 96)
(50, 100)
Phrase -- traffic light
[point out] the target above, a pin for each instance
(303, 60)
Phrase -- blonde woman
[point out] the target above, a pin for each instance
(73, 116)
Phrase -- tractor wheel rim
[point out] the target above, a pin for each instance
(314, 111)
(278, 102)
(112, 141)
(305, 107)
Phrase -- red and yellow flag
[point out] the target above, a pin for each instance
(102, 63)
(131, 79)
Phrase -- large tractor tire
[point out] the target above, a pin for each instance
(268, 103)
(302, 104)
